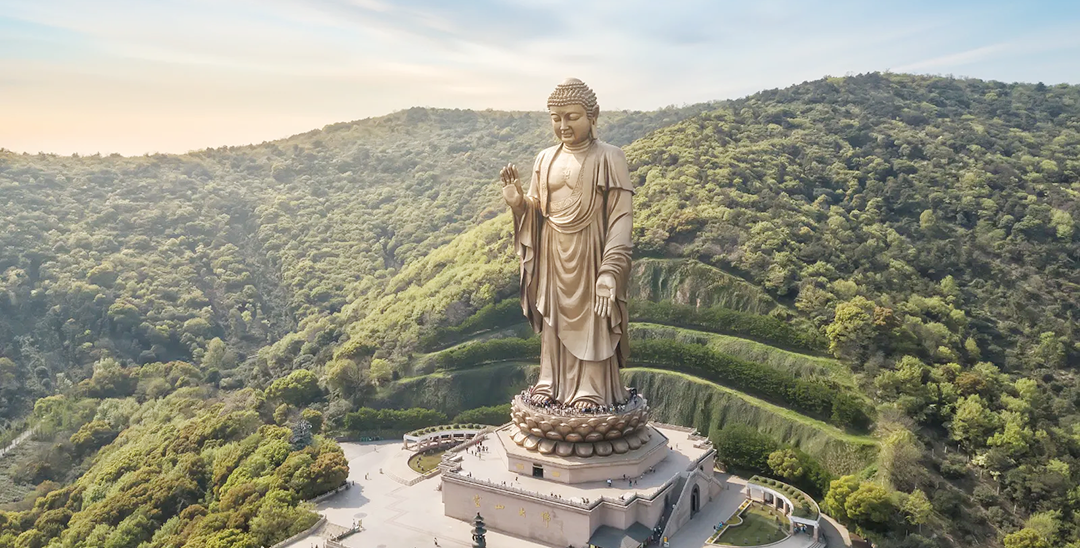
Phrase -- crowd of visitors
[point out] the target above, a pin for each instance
(555, 408)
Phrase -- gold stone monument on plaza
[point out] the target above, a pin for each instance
(579, 459)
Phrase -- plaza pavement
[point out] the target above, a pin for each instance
(393, 515)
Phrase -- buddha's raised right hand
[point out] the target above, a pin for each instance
(511, 188)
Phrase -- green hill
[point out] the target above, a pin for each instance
(892, 249)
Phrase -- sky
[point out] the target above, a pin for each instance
(136, 77)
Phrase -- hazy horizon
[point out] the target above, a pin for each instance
(176, 76)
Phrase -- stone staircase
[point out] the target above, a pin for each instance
(331, 531)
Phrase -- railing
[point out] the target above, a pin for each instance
(674, 427)
(635, 403)
(301, 534)
(439, 435)
(329, 494)
(683, 498)
(623, 502)
(480, 436)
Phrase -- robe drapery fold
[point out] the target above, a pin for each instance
(563, 248)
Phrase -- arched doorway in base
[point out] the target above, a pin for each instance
(695, 501)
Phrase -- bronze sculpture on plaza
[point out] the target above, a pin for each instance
(572, 234)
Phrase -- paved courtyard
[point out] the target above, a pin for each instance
(393, 515)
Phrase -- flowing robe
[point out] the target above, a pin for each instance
(563, 247)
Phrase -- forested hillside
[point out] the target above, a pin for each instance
(874, 278)
(152, 258)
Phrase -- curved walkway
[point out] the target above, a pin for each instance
(695, 533)
(16, 442)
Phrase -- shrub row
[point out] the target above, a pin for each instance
(766, 329)
(493, 415)
(819, 398)
(473, 354)
(444, 427)
(366, 419)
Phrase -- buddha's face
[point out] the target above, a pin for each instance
(571, 124)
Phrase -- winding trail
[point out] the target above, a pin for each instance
(16, 442)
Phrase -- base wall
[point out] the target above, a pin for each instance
(541, 520)
(508, 512)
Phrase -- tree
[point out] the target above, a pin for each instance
(278, 518)
(1047, 524)
(314, 418)
(1050, 352)
(282, 414)
(301, 435)
(135, 529)
(918, 508)
(329, 471)
(972, 422)
(836, 499)
(343, 377)
(1026, 538)
(299, 388)
(380, 371)
(786, 464)
(899, 459)
(869, 506)
(744, 447)
(92, 436)
(218, 355)
(852, 329)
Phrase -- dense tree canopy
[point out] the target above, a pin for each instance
(892, 254)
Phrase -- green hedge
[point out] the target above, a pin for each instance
(494, 415)
(366, 419)
(477, 353)
(819, 398)
(766, 329)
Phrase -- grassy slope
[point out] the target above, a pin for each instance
(454, 392)
(801, 365)
(675, 398)
(684, 399)
(686, 281)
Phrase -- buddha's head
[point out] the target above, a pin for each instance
(574, 111)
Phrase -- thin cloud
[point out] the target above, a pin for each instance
(175, 75)
(956, 59)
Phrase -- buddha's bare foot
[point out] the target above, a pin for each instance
(583, 406)
(540, 399)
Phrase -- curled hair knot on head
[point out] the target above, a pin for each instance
(574, 92)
